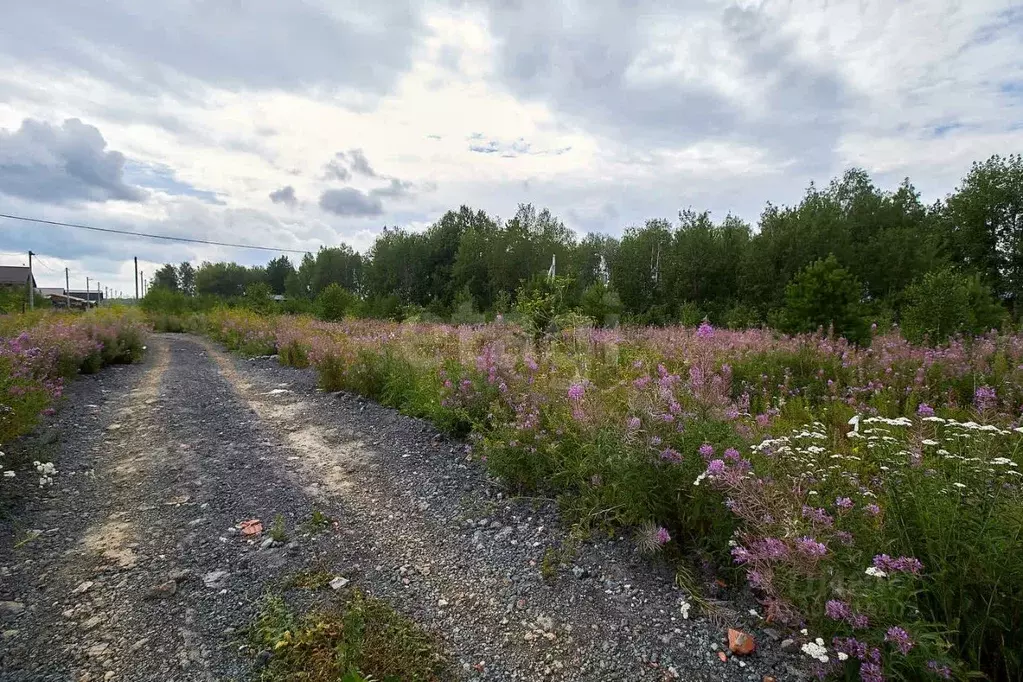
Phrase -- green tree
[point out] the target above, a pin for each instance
(639, 268)
(983, 224)
(948, 302)
(601, 304)
(298, 285)
(540, 301)
(277, 272)
(166, 278)
(186, 278)
(336, 265)
(222, 279)
(826, 296)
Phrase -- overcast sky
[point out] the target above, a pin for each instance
(296, 124)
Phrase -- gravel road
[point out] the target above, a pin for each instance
(139, 572)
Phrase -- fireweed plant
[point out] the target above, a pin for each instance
(870, 496)
(40, 352)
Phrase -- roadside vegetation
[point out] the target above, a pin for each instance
(869, 495)
(42, 350)
(351, 638)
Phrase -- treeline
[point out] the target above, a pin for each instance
(847, 255)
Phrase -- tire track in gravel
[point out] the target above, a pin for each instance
(178, 462)
(410, 510)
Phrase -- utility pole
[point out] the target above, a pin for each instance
(87, 297)
(142, 279)
(67, 287)
(31, 284)
(98, 299)
(136, 278)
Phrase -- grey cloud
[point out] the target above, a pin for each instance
(360, 164)
(47, 163)
(349, 201)
(256, 44)
(576, 59)
(284, 195)
(354, 159)
(394, 190)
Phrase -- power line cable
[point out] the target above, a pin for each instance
(148, 235)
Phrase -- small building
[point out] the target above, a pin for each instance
(62, 300)
(93, 297)
(12, 276)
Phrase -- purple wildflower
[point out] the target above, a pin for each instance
(925, 410)
(576, 392)
(811, 547)
(871, 672)
(906, 564)
(705, 331)
(872, 509)
(716, 467)
(732, 454)
(985, 398)
(942, 671)
(706, 450)
(817, 515)
(771, 548)
(900, 638)
(844, 503)
(632, 423)
(837, 610)
(859, 621)
(740, 554)
(851, 647)
(662, 536)
(669, 455)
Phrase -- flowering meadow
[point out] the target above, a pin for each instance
(869, 496)
(41, 351)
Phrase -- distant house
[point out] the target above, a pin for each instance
(12, 276)
(59, 298)
(94, 297)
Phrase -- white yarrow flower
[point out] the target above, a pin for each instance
(875, 572)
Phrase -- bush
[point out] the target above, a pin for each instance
(601, 304)
(741, 316)
(948, 302)
(826, 296)
(334, 303)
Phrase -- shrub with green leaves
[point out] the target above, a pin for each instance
(334, 303)
(948, 302)
(826, 296)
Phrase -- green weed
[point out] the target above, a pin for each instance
(355, 638)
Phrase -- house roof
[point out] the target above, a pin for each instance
(51, 291)
(14, 274)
